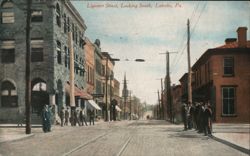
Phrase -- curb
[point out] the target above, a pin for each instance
(237, 147)
(18, 139)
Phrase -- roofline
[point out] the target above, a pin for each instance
(219, 51)
(76, 14)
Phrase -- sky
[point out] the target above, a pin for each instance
(144, 29)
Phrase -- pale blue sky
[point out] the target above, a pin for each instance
(145, 32)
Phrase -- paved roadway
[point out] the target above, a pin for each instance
(125, 138)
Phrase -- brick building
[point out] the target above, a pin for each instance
(50, 21)
(222, 77)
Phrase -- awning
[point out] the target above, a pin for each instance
(78, 92)
(93, 105)
(118, 108)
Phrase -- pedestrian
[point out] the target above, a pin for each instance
(66, 117)
(77, 117)
(201, 118)
(83, 118)
(184, 115)
(190, 115)
(62, 116)
(207, 119)
(91, 117)
(46, 119)
(196, 113)
(49, 118)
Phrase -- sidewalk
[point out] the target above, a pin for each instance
(12, 132)
(235, 135)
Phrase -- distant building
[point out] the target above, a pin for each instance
(50, 21)
(221, 76)
(177, 103)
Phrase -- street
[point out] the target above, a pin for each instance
(121, 138)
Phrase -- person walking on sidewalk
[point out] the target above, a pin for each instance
(66, 117)
(184, 115)
(91, 118)
(83, 118)
(62, 116)
(207, 119)
(46, 119)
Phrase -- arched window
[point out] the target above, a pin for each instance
(7, 13)
(8, 94)
(58, 15)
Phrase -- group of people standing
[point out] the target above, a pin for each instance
(75, 117)
(198, 116)
(67, 117)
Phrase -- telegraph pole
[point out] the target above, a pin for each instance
(189, 66)
(159, 105)
(106, 88)
(130, 106)
(28, 83)
(162, 105)
(168, 85)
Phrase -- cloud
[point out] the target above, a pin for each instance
(144, 33)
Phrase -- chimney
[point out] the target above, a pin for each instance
(242, 37)
(230, 40)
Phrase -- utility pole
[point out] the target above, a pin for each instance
(162, 105)
(106, 88)
(189, 66)
(159, 105)
(28, 83)
(130, 106)
(168, 85)
(110, 93)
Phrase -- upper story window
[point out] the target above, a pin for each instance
(7, 15)
(228, 66)
(58, 15)
(8, 51)
(36, 50)
(59, 53)
(37, 16)
(8, 94)
(64, 24)
(68, 24)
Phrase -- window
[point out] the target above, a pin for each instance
(36, 50)
(8, 51)
(228, 66)
(59, 54)
(8, 95)
(65, 24)
(68, 24)
(66, 56)
(7, 4)
(7, 16)
(37, 16)
(58, 15)
(228, 100)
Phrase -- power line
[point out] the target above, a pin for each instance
(193, 30)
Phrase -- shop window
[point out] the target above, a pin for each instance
(8, 95)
